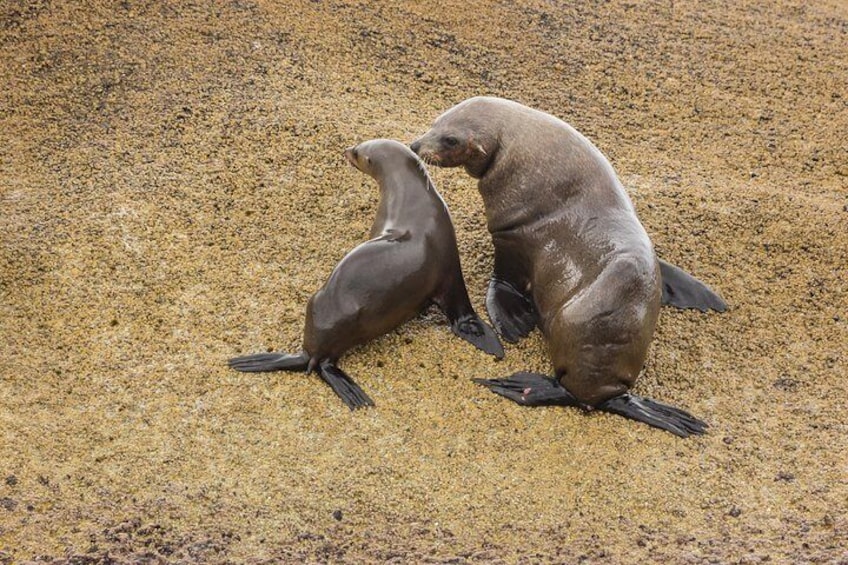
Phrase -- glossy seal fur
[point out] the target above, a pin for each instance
(410, 262)
(570, 256)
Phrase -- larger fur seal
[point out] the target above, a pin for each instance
(410, 261)
(570, 256)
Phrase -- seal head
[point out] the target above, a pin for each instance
(464, 137)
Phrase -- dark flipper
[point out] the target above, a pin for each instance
(344, 386)
(341, 384)
(478, 333)
(653, 413)
(270, 362)
(464, 321)
(682, 290)
(511, 311)
(533, 389)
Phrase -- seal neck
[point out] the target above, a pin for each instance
(403, 193)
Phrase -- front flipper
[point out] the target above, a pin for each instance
(682, 290)
(478, 333)
(531, 389)
(262, 362)
(454, 302)
(343, 386)
(511, 311)
(653, 413)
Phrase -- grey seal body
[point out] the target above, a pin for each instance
(571, 256)
(410, 262)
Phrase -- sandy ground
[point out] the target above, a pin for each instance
(172, 191)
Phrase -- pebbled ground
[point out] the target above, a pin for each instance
(172, 190)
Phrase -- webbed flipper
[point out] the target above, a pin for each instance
(479, 334)
(512, 312)
(262, 362)
(533, 389)
(343, 386)
(682, 290)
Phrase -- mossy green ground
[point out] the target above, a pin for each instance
(172, 190)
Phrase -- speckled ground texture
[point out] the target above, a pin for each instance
(173, 190)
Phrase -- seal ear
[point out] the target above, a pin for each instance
(477, 146)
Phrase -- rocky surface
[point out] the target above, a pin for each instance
(172, 191)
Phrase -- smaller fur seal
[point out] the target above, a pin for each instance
(410, 261)
(571, 257)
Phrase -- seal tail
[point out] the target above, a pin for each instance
(478, 333)
(343, 386)
(682, 290)
(533, 389)
(262, 362)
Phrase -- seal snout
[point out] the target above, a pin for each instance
(424, 152)
(351, 153)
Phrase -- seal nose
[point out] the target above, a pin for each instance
(415, 146)
(350, 155)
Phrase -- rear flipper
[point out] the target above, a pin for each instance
(511, 311)
(343, 386)
(262, 362)
(478, 333)
(533, 389)
(682, 290)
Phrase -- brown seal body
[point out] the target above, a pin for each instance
(410, 261)
(570, 256)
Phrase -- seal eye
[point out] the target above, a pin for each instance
(450, 141)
